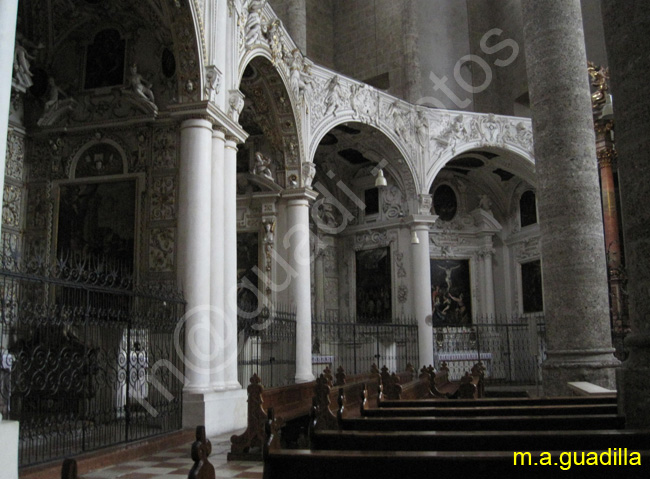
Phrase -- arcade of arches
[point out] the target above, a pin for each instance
(252, 155)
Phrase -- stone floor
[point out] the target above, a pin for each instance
(175, 463)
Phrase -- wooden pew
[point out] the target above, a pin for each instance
(292, 402)
(522, 410)
(500, 402)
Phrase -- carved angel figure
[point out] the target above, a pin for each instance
(139, 85)
(298, 78)
(262, 166)
(22, 68)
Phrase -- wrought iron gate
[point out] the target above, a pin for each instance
(88, 360)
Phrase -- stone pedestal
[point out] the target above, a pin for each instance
(573, 256)
(9, 449)
(626, 33)
(220, 412)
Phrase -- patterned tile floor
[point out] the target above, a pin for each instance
(175, 463)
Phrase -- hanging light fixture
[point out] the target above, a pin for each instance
(381, 179)
(414, 237)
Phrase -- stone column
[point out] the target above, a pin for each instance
(480, 272)
(217, 317)
(8, 13)
(422, 292)
(296, 244)
(627, 39)
(570, 217)
(297, 23)
(230, 262)
(488, 279)
(412, 74)
(194, 249)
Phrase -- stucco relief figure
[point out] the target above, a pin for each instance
(262, 166)
(253, 27)
(400, 120)
(53, 93)
(334, 96)
(298, 78)
(139, 85)
(485, 203)
(22, 67)
(422, 129)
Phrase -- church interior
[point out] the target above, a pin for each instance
(212, 203)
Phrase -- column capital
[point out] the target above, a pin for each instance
(206, 110)
(296, 195)
(419, 222)
(606, 157)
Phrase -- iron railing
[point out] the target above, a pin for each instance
(266, 344)
(88, 360)
(356, 345)
(512, 349)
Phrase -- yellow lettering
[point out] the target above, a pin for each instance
(565, 460)
(545, 459)
(575, 459)
(524, 456)
(592, 459)
(606, 456)
(635, 459)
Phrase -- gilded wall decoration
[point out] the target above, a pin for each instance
(163, 199)
(161, 249)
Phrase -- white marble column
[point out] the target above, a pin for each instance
(422, 292)
(194, 249)
(217, 317)
(488, 279)
(480, 273)
(230, 262)
(8, 13)
(296, 244)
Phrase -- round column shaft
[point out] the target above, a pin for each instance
(194, 248)
(422, 293)
(230, 263)
(297, 23)
(574, 275)
(217, 317)
(296, 243)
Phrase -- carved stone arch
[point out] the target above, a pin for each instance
(111, 145)
(403, 170)
(186, 26)
(292, 146)
(520, 161)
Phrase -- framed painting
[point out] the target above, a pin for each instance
(531, 287)
(451, 292)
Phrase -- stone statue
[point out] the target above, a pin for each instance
(253, 27)
(22, 68)
(334, 96)
(297, 76)
(422, 129)
(262, 166)
(53, 94)
(485, 203)
(139, 85)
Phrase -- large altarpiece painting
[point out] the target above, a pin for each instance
(450, 292)
(374, 302)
